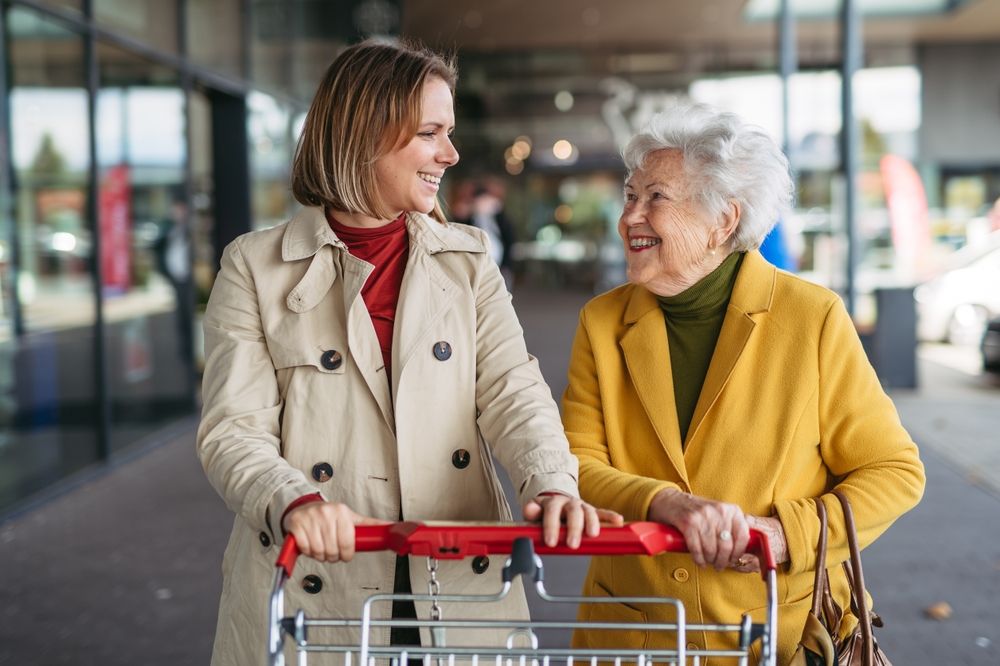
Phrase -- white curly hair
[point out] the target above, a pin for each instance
(726, 160)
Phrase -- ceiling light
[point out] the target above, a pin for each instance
(562, 149)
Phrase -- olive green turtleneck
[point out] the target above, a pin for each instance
(694, 319)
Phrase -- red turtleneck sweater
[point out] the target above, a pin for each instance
(385, 248)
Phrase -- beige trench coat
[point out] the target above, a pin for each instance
(286, 298)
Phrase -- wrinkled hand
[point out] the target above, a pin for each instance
(771, 527)
(324, 531)
(580, 517)
(705, 525)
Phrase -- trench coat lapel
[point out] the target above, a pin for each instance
(427, 292)
(751, 297)
(362, 339)
(647, 357)
(309, 235)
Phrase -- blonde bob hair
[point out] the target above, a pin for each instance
(368, 103)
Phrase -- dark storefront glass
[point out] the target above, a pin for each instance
(203, 267)
(76, 5)
(145, 244)
(48, 387)
(153, 22)
(293, 43)
(215, 35)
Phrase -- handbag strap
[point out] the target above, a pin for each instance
(819, 581)
(857, 581)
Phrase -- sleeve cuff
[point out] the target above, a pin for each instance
(559, 483)
(305, 499)
(801, 526)
(644, 497)
(279, 504)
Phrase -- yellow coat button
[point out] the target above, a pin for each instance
(681, 575)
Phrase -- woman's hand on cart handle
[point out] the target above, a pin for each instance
(555, 509)
(775, 533)
(324, 531)
(716, 533)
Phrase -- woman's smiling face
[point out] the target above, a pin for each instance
(666, 232)
(409, 177)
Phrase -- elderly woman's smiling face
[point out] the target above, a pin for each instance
(668, 235)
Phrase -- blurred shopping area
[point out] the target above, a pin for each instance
(140, 136)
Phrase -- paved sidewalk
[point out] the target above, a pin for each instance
(124, 570)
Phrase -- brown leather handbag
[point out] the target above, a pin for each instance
(819, 645)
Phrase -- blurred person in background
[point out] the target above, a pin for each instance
(172, 250)
(363, 364)
(717, 394)
(486, 213)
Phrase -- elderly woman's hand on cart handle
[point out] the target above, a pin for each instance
(554, 509)
(716, 533)
(772, 528)
(324, 531)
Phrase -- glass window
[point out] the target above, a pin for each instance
(204, 266)
(48, 396)
(271, 148)
(215, 35)
(153, 22)
(76, 5)
(293, 43)
(887, 104)
(145, 244)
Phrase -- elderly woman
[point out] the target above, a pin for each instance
(716, 393)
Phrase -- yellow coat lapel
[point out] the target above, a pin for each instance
(752, 295)
(647, 357)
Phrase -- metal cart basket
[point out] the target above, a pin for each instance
(447, 541)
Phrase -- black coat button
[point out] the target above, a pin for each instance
(442, 351)
(480, 564)
(322, 472)
(331, 359)
(264, 539)
(312, 584)
(460, 458)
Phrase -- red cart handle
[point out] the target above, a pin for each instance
(454, 541)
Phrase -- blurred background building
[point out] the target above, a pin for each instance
(138, 137)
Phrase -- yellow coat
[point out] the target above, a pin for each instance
(789, 409)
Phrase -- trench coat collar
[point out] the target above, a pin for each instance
(647, 353)
(435, 237)
(308, 232)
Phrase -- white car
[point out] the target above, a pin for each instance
(955, 306)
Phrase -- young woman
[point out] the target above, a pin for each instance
(363, 362)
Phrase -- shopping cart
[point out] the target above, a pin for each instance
(448, 541)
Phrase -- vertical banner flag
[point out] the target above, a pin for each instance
(116, 230)
(908, 214)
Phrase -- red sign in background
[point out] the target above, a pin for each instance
(908, 213)
(116, 230)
